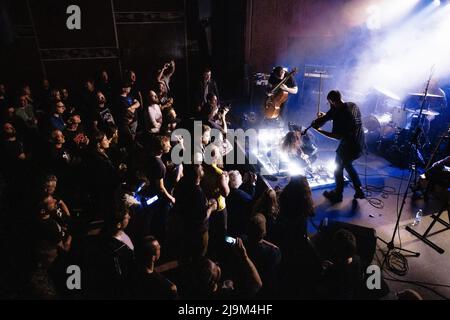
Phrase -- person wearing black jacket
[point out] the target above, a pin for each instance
(207, 85)
(347, 128)
(111, 265)
(104, 177)
(150, 284)
(127, 104)
(239, 202)
(194, 209)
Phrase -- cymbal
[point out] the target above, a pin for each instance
(424, 112)
(387, 93)
(428, 95)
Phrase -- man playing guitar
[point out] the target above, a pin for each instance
(347, 128)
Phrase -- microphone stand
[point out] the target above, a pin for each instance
(413, 152)
(418, 132)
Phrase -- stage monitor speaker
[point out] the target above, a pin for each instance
(366, 240)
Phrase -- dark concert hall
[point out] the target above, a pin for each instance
(262, 152)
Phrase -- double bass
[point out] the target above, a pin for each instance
(276, 97)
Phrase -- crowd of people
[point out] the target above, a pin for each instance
(89, 181)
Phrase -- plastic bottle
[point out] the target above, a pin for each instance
(418, 218)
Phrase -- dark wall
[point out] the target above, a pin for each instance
(151, 33)
(115, 35)
(97, 24)
(246, 37)
(71, 56)
(228, 44)
(19, 57)
(296, 31)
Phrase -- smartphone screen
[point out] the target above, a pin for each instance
(230, 240)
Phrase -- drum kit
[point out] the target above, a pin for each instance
(389, 133)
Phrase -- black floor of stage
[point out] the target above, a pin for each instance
(431, 267)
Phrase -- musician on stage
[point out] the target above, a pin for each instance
(278, 74)
(299, 148)
(292, 145)
(347, 128)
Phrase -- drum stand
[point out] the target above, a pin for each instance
(425, 189)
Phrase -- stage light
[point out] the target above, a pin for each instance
(402, 57)
(437, 3)
(265, 135)
(284, 157)
(387, 12)
(373, 21)
(331, 166)
(294, 169)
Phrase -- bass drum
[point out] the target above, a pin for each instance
(389, 131)
(389, 138)
(372, 132)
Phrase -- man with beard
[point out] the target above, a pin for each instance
(12, 150)
(102, 116)
(347, 128)
(48, 228)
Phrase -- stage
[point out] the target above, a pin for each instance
(387, 184)
(375, 171)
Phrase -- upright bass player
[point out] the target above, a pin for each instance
(281, 84)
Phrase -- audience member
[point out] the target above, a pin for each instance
(193, 209)
(238, 205)
(154, 115)
(26, 112)
(150, 284)
(202, 278)
(265, 255)
(104, 85)
(207, 85)
(165, 74)
(56, 119)
(267, 204)
(343, 276)
(128, 105)
(102, 115)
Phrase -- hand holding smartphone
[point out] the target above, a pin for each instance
(230, 240)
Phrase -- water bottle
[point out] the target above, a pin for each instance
(325, 222)
(418, 218)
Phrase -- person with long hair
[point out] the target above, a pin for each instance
(267, 205)
(296, 206)
(301, 263)
(292, 146)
